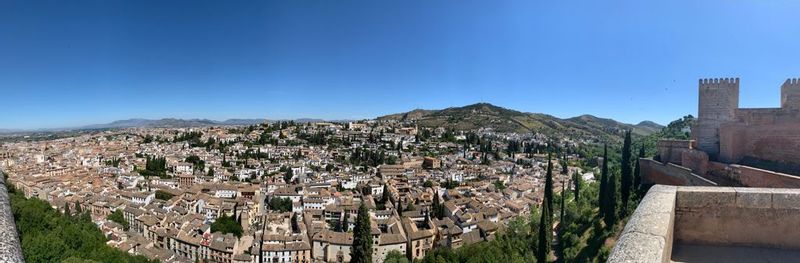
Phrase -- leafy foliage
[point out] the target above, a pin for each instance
(162, 195)
(48, 236)
(280, 204)
(395, 256)
(361, 251)
(118, 218)
(227, 224)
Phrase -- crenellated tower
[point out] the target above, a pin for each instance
(790, 94)
(718, 102)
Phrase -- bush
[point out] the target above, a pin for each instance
(225, 225)
(49, 236)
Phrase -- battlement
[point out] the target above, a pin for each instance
(790, 94)
(719, 81)
(718, 102)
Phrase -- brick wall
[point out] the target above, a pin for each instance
(654, 172)
(777, 143)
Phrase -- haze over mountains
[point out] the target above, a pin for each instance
(475, 116)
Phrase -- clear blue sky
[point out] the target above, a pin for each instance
(68, 63)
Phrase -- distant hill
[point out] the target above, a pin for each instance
(485, 115)
(170, 123)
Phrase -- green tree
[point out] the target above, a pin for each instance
(410, 207)
(163, 195)
(577, 182)
(117, 217)
(361, 251)
(545, 238)
(395, 256)
(611, 203)
(637, 176)
(603, 196)
(626, 178)
(47, 235)
(437, 207)
(288, 176)
(227, 224)
(280, 204)
(428, 184)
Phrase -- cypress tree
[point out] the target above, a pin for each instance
(545, 235)
(361, 251)
(611, 206)
(386, 197)
(576, 183)
(295, 224)
(637, 177)
(437, 206)
(563, 200)
(626, 182)
(548, 185)
(602, 199)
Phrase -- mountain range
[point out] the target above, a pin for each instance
(485, 115)
(470, 117)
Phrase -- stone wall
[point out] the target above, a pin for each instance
(776, 143)
(649, 233)
(672, 150)
(10, 250)
(695, 160)
(790, 94)
(754, 177)
(733, 216)
(718, 101)
(669, 174)
(719, 216)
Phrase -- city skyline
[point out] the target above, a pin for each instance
(69, 64)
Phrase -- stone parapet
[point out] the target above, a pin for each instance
(10, 250)
(648, 235)
(713, 216)
(654, 172)
(738, 216)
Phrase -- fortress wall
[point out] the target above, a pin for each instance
(672, 150)
(762, 116)
(695, 160)
(754, 177)
(718, 101)
(669, 174)
(790, 94)
(777, 143)
(733, 216)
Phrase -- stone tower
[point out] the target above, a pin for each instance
(719, 100)
(790, 94)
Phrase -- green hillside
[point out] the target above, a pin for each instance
(485, 115)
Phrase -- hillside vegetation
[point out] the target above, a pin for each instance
(484, 115)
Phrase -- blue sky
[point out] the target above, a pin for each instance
(68, 63)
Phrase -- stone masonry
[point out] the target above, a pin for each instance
(731, 134)
(10, 250)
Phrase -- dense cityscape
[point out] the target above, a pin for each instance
(288, 191)
(415, 131)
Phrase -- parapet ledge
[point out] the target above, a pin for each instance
(698, 198)
(648, 235)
